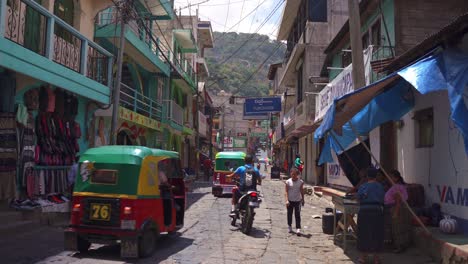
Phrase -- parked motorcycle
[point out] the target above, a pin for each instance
(246, 210)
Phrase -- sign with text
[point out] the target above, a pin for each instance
(239, 143)
(341, 85)
(258, 134)
(261, 106)
(202, 124)
(228, 142)
(335, 175)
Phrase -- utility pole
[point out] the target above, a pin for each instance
(359, 78)
(222, 129)
(210, 132)
(124, 10)
(197, 135)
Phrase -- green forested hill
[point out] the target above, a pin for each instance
(232, 74)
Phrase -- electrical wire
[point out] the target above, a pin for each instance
(253, 19)
(229, 29)
(254, 73)
(258, 29)
(227, 15)
(242, 11)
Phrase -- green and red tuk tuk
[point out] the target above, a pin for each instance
(129, 194)
(225, 164)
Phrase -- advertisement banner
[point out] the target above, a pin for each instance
(341, 85)
(202, 124)
(335, 175)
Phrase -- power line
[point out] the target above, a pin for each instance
(255, 72)
(227, 15)
(241, 20)
(253, 18)
(247, 41)
(242, 10)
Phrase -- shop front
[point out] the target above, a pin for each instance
(132, 129)
(42, 132)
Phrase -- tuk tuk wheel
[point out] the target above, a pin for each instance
(147, 243)
(83, 245)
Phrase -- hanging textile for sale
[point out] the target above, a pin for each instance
(26, 145)
(8, 156)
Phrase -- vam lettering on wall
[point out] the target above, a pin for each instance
(454, 196)
(335, 174)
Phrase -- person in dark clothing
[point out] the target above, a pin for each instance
(370, 222)
(249, 177)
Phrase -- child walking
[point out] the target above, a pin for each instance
(294, 199)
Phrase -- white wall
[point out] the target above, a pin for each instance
(374, 138)
(445, 164)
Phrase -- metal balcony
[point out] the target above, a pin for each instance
(174, 112)
(30, 25)
(184, 69)
(141, 45)
(381, 57)
(139, 103)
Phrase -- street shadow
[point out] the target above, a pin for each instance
(170, 245)
(259, 233)
(255, 232)
(308, 236)
(193, 198)
(166, 246)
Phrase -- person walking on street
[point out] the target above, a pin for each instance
(298, 163)
(294, 196)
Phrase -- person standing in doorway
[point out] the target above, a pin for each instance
(294, 196)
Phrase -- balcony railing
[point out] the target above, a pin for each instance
(110, 16)
(139, 103)
(381, 57)
(32, 26)
(174, 112)
(184, 67)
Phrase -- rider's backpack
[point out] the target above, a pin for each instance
(249, 177)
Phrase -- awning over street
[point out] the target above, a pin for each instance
(392, 97)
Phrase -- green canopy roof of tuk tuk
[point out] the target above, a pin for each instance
(231, 155)
(124, 154)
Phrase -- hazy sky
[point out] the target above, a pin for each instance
(225, 14)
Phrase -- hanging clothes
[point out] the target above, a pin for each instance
(8, 156)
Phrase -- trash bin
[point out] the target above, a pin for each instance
(328, 220)
(275, 172)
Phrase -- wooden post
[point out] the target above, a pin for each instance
(359, 78)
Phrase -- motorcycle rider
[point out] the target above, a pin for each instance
(241, 172)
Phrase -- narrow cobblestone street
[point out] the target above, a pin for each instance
(208, 237)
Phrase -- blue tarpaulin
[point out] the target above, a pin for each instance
(391, 98)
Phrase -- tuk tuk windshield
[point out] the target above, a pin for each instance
(228, 164)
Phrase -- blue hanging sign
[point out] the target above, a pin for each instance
(262, 106)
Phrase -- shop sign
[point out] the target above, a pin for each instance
(341, 85)
(458, 196)
(228, 142)
(240, 143)
(202, 124)
(262, 106)
(139, 119)
(258, 134)
(335, 175)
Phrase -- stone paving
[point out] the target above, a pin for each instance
(208, 237)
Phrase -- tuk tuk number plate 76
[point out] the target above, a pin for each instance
(101, 212)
